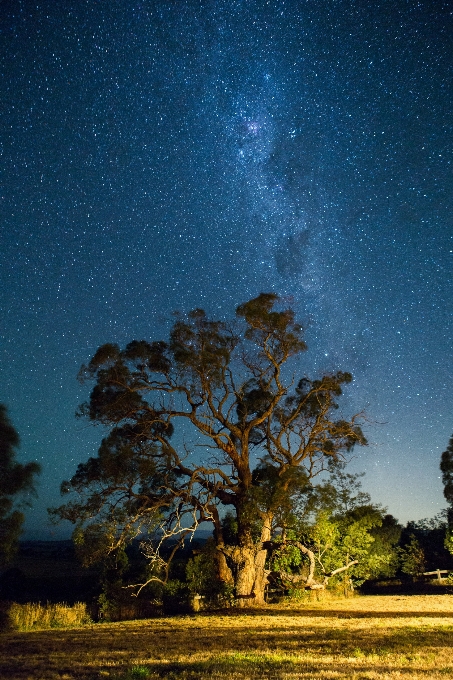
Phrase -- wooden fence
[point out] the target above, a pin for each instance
(437, 573)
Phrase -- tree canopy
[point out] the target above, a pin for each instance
(446, 467)
(213, 419)
(16, 479)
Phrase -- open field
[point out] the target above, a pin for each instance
(373, 637)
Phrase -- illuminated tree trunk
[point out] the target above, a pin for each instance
(245, 572)
(249, 568)
(223, 570)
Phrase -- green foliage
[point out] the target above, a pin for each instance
(383, 554)
(448, 581)
(111, 601)
(287, 559)
(449, 542)
(203, 578)
(139, 672)
(201, 573)
(201, 349)
(340, 539)
(229, 525)
(176, 596)
(352, 526)
(135, 673)
(113, 598)
(337, 523)
(120, 495)
(16, 480)
(174, 588)
(278, 490)
(412, 558)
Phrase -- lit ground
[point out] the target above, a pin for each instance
(375, 637)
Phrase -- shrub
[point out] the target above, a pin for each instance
(203, 580)
(412, 557)
(175, 598)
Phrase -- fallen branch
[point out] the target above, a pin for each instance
(309, 580)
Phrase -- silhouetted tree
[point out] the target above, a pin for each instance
(16, 479)
(430, 536)
(386, 539)
(247, 436)
(412, 558)
(446, 466)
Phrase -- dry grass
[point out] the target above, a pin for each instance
(372, 637)
(37, 616)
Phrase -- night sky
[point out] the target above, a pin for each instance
(167, 155)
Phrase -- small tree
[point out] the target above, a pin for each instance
(211, 419)
(412, 558)
(202, 578)
(446, 466)
(336, 534)
(16, 480)
(383, 556)
(430, 537)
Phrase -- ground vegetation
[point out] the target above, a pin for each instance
(377, 637)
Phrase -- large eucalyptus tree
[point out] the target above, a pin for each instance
(213, 419)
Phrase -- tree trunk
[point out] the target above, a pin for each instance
(244, 562)
(223, 570)
(260, 577)
(249, 569)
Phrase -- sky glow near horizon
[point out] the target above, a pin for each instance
(164, 156)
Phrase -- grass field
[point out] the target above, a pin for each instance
(376, 637)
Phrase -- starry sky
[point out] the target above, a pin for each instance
(163, 155)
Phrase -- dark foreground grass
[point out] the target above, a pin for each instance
(374, 637)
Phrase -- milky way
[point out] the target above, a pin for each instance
(162, 156)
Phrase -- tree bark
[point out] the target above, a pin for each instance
(223, 570)
(260, 577)
(249, 568)
(244, 562)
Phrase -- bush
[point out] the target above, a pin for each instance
(34, 615)
(412, 558)
(203, 581)
(175, 598)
